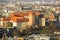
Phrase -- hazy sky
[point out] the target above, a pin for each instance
(26, 0)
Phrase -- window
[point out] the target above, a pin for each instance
(9, 24)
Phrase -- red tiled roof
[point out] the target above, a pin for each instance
(6, 19)
(19, 16)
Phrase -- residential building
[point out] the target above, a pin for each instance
(1, 20)
(20, 38)
(51, 16)
(37, 18)
(59, 18)
(27, 7)
(42, 21)
(38, 37)
(44, 38)
(31, 18)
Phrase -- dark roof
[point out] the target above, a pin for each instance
(2, 16)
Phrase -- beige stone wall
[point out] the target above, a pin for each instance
(31, 19)
(1, 21)
(43, 21)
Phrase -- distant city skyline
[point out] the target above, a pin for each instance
(30, 0)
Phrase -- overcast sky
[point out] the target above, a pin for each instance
(25, 0)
